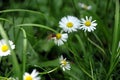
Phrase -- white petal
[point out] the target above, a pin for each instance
(90, 18)
(65, 20)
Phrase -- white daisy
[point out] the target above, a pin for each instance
(87, 24)
(69, 24)
(4, 48)
(32, 76)
(60, 38)
(84, 6)
(64, 64)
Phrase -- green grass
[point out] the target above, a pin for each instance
(30, 24)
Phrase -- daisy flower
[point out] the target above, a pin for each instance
(4, 48)
(87, 24)
(69, 24)
(60, 38)
(64, 64)
(32, 76)
(84, 6)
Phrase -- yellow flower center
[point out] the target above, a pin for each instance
(58, 36)
(69, 24)
(64, 62)
(87, 23)
(28, 77)
(4, 48)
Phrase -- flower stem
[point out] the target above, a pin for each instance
(47, 72)
(40, 26)
(24, 49)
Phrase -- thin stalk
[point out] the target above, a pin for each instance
(81, 43)
(98, 38)
(48, 72)
(100, 48)
(97, 46)
(79, 65)
(24, 49)
(38, 25)
(3, 19)
(42, 69)
(21, 10)
(91, 71)
(86, 72)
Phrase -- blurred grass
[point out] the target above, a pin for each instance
(93, 56)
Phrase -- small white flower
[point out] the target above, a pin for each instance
(87, 24)
(60, 38)
(4, 48)
(84, 6)
(64, 64)
(69, 24)
(32, 76)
